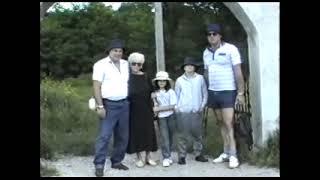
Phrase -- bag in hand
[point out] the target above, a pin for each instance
(92, 103)
(242, 125)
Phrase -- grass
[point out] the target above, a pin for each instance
(69, 127)
(47, 172)
(269, 155)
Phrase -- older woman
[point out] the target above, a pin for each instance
(142, 136)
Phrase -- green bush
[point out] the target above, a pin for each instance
(83, 80)
(269, 155)
(67, 125)
(82, 85)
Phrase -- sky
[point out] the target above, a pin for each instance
(115, 5)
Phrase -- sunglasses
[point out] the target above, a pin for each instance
(134, 64)
(214, 34)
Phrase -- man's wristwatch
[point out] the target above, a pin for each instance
(100, 107)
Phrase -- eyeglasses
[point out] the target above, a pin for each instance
(214, 34)
(134, 64)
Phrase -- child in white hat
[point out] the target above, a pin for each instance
(165, 100)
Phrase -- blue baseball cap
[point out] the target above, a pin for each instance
(214, 27)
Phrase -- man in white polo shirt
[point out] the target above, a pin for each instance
(222, 71)
(110, 82)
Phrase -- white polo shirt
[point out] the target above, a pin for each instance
(220, 67)
(114, 83)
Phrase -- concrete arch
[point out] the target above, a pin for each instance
(253, 53)
(261, 23)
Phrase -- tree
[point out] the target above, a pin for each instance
(71, 41)
(184, 30)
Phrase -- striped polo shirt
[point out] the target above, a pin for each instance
(220, 67)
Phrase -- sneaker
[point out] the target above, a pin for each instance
(233, 162)
(182, 160)
(99, 172)
(119, 166)
(170, 161)
(151, 162)
(222, 158)
(139, 163)
(166, 163)
(201, 158)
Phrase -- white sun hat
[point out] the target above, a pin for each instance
(162, 75)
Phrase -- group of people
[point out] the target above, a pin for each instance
(128, 102)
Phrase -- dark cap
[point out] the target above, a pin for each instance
(190, 61)
(115, 43)
(214, 27)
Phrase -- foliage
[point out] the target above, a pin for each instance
(66, 123)
(71, 41)
(269, 155)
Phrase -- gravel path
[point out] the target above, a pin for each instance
(74, 166)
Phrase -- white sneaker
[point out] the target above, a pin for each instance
(170, 161)
(151, 162)
(166, 163)
(222, 158)
(139, 163)
(233, 162)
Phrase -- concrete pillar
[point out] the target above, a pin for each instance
(159, 37)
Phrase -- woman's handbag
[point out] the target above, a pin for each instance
(92, 103)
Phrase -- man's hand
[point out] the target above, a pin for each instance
(201, 109)
(155, 109)
(101, 112)
(240, 99)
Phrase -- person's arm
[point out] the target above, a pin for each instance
(236, 63)
(177, 89)
(240, 84)
(205, 76)
(239, 78)
(204, 90)
(97, 92)
(97, 77)
(164, 108)
(205, 72)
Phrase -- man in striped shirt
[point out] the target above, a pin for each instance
(222, 71)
